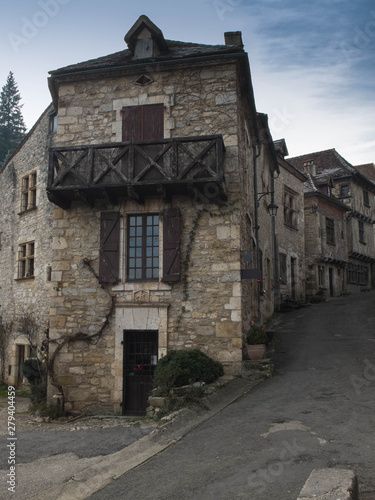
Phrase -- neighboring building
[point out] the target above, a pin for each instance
(290, 225)
(336, 176)
(326, 239)
(26, 251)
(158, 242)
(368, 170)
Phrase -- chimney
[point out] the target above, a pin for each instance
(233, 38)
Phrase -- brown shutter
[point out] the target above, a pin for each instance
(153, 122)
(109, 256)
(171, 245)
(143, 123)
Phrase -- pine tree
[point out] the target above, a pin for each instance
(12, 126)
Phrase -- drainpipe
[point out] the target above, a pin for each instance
(256, 154)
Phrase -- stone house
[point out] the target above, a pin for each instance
(290, 229)
(25, 249)
(353, 246)
(157, 241)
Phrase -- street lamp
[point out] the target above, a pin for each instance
(272, 209)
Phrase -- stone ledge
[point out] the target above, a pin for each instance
(330, 484)
(257, 370)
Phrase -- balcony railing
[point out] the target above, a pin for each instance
(135, 169)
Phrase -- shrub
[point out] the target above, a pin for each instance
(256, 335)
(180, 368)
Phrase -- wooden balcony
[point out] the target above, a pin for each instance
(189, 165)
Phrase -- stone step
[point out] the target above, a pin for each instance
(330, 484)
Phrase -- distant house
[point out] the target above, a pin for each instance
(350, 246)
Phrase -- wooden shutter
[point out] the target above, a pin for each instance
(171, 245)
(109, 256)
(143, 123)
(132, 123)
(153, 122)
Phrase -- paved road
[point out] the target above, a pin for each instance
(318, 411)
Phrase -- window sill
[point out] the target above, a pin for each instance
(25, 279)
(293, 228)
(27, 211)
(331, 243)
(363, 242)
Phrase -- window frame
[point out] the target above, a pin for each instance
(148, 230)
(26, 260)
(29, 192)
(366, 198)
(330, 231)
(290, 212)
(361, 231)
(347, 191)
(283, 268)
(52, 124)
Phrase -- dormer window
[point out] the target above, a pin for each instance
(145, 40)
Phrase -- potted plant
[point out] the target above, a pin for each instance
(256, 339)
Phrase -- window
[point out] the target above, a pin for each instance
(143, 247)
(52, 125)
(28, 192)
(357, 275)
(290, 218)
(330, 231)
(283, 271)
(26, 256)
(344, 190)
(361, 230)
(366, 198)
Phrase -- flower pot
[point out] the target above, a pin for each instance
(256, 351)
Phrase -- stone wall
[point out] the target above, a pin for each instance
(291, 239)
(29, 296)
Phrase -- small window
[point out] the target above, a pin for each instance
(366, 198)
(52, 126)
(28, 192)
(361, 230)
(143, 247)
(344, 190)
(25, 262)
(330, 231)
(290, 216)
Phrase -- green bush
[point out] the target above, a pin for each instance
(180, 368)
(256, 335)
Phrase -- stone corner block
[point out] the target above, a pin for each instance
(330, 484)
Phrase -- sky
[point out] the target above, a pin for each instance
(312, 62)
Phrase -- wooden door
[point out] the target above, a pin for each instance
(140, 359)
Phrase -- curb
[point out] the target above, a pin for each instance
(111, 467)
(330, 484)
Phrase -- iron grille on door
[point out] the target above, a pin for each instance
(140, 359)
